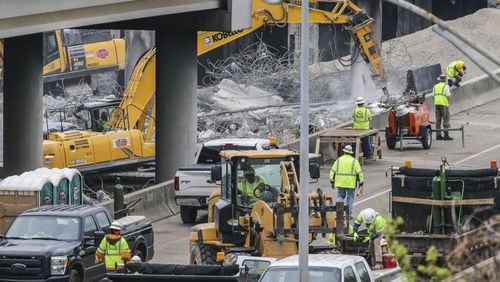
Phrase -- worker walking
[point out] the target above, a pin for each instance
(455, 72)
(362, 116)
(441, 93)
(113, 249)
(346, 175)
(375, 225)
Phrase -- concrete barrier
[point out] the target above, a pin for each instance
(158, 201)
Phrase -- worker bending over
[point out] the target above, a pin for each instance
(362, 116)
(375, 225)
(455, 72)
(345, 175)
(441, 106)
(113, 249)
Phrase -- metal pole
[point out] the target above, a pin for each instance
(304, 146)
(455, 43)
(442, 24)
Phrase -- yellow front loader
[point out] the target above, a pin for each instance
(262, 222)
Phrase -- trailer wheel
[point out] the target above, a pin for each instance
(231, 258)
(427, 138)
(188, 214)
(391, 143)
(74, 276)
(203, 254)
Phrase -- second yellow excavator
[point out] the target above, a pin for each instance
(126, 139)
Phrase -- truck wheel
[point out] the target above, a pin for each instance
(231, 258)
(74, 276)
(203, 254)
(391, 143)
(188, 214)
(427, 138)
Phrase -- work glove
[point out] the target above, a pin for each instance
(359, 191)
(366, 239)
(355, 227)
(373, 237)
(332, 183)
(355, 236)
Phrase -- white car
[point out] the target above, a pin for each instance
(328, 268)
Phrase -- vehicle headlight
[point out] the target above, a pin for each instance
(58, 265)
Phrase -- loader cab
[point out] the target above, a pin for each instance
(246, 177)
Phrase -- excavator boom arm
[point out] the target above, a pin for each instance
(356, 21)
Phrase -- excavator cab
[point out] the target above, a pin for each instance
(89, 116)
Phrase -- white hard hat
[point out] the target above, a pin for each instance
(369, 215)
(348, 149)
(135, 259)
(360, 100)
(116, 226)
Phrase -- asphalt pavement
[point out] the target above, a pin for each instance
(482, 144)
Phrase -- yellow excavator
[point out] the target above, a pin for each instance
(262, 221)
(127, 139)
(77, 54)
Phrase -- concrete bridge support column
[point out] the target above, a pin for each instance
(23, 104)
(176, 101)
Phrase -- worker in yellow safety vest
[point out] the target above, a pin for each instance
(346, 175)
(441, 106)
(362, 116)
(375, 226)
(247, 188)
(455, 71)
(113, 249)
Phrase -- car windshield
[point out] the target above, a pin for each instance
(45, 228)
(291, 274)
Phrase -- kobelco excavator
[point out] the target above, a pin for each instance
(257, 214)
(128, 137)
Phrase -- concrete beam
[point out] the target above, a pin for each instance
(22, 17)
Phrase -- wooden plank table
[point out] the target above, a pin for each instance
(339, 136)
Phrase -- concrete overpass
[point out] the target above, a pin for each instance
(22, 23)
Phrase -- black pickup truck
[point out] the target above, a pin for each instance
(58, 243)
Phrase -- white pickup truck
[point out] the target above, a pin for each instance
(331, 268)
(193, 185)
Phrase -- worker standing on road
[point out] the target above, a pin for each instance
(113, 249)
(247, 186)
(441, 93)
(455, 71)
(345, 175)
(375, 225)
(362, 116)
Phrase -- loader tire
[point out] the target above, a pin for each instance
(427, 138)
(231, 258)
(203, 254)
(188, 214)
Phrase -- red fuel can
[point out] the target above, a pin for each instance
(388, 261)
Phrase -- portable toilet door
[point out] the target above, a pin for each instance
(47, 194)
(75, 185)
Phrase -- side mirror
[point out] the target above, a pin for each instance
(98, 236)
(314, 170)
(216, 173)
